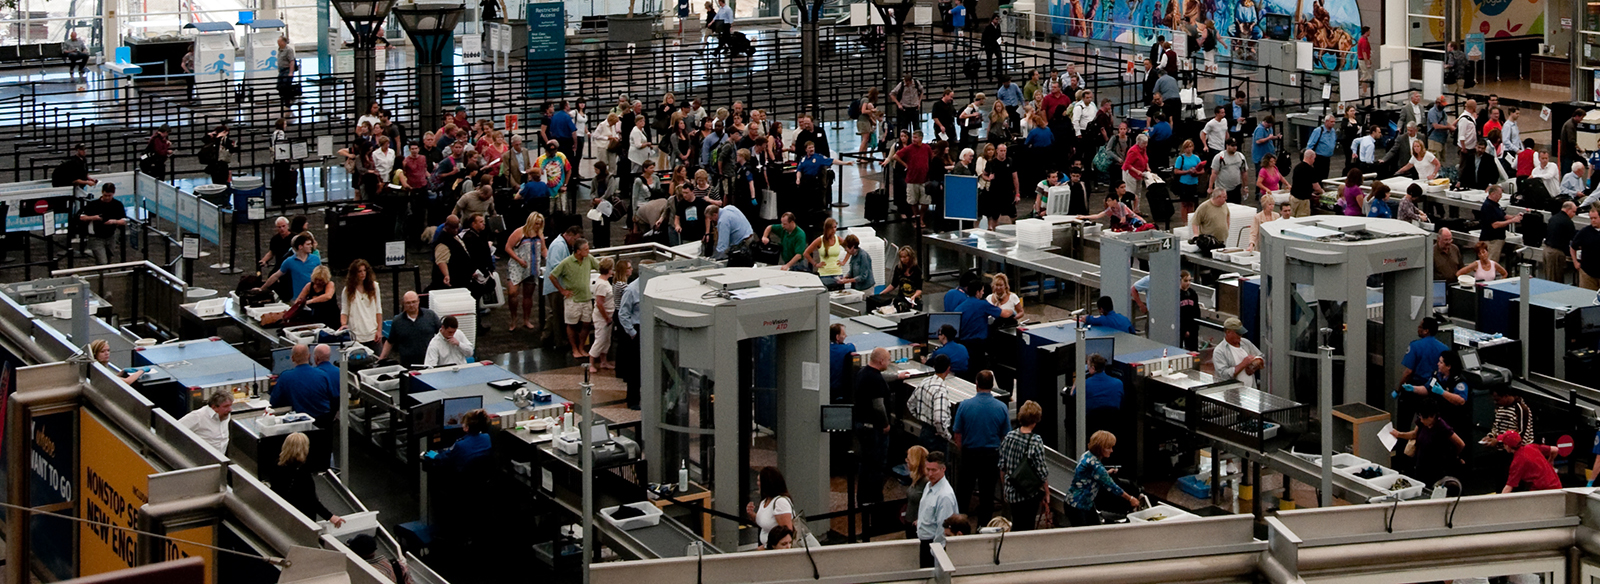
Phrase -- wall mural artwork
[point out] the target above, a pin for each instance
(1330, 25)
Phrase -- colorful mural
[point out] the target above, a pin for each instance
(1331, 26)
(1491, 18)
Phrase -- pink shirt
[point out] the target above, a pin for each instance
(1270, 178)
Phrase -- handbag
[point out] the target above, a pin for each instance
(1103, 159)
(1024, 478)
(797, 518)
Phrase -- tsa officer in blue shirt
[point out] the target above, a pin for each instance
(1422, 356)
(838, 355)
(809, 173)
(954, 298)
(303, 388)
(975, 314)
(1109, 317)
(1102, 397)
(957, 352)
(475, 445)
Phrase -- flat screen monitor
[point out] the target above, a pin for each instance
(281, 360)
(457, 407)
(426, 418)
(937, 320)
(1469, 360)
(913, 329)
(837, 417)
(1440, 290)
(1102, 346)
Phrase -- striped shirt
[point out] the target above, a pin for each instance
(1516, 416)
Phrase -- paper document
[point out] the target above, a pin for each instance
(1386, 438)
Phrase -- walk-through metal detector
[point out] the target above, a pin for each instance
(1160, 249)
(698, 345)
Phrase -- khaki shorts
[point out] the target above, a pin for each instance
(1300, 207)
(577, 312)
(1588, 282)
(917, 194)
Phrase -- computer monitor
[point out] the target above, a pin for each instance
(426, 418)
(282, 360)
(1469, 360)
(937, 320)
(913, 328)
(1102, 346)
(1440, 290)
(837, 417)
(456, 408)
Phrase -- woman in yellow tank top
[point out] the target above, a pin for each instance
(826, 253)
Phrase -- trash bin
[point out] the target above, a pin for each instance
(248, 192)
(213, 193)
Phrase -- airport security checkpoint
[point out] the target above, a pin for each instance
(607, 295)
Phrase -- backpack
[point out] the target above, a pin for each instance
(1206, 243)
(971, 68)
(209, 152)
(855, 108)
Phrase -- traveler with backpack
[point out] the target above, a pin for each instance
(907, 97)
(217, 154)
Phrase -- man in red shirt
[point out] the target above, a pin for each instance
(1530, 464)
(915, 157)
(1053, 101)
(1364, 54)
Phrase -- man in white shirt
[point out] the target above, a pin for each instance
(930, 405)
(210, 422)
(1467, 129)
(450, 346)
(1366, 149)
(1071, 78)
(938, 504)
(1083, 112)
(1215, 133)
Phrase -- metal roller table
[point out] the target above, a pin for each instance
(195, 367)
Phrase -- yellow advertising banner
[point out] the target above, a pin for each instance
(180, 546)
(113, 480)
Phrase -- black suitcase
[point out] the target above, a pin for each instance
(877, 203)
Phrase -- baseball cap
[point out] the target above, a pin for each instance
(1510, 438)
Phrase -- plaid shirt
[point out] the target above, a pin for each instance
(1018, 449)
(930, 404)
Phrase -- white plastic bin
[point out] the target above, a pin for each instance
(651, 517)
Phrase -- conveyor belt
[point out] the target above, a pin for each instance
(340, 501)
(667, 539)
(1539, 385)
(1301, 470)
